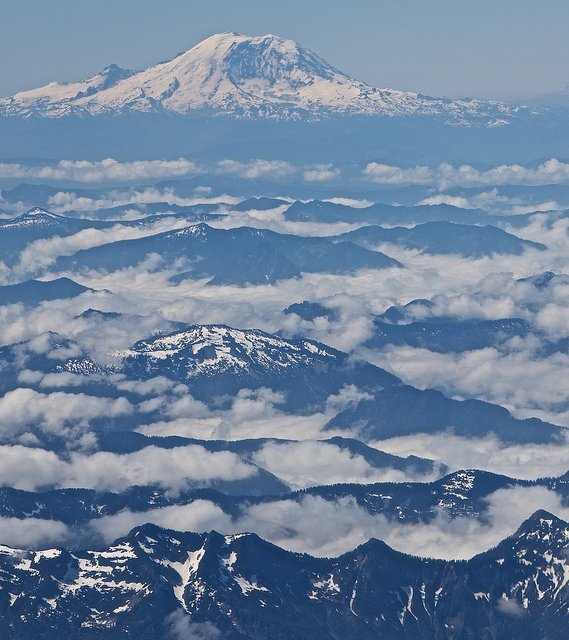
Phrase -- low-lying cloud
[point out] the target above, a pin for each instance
(521, 380)
(329, 528)
(309, 463)
(525, 461)
(320, 173)
(68, 415)
(173, 469)
(107, 170)
(445, 176)
(31, 533)
(255, 169)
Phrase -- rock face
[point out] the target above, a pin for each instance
(247, 588)
(239, 76)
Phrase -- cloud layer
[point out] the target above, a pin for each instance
(329, 528)
(520, 374)
(174, 469)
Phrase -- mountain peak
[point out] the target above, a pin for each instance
(113, 74)
(35, 216)
(207, 349)
(236, 75)
(542, 520)
(541, 532)
(38, 211)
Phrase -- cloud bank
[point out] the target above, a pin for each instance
(445, 176)
(109, 170)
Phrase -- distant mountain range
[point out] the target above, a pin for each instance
(241, 97)
(39, 224)
(244, 255)
(463, 493)
(240, 76)
(171, 409)
(215, 360)
(417, 324)
(240, 587)
(238, 256)
(444, 238)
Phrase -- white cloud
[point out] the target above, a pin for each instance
(329, 528)
(521, 380)
(63, 201)
(274, 220)
(309, 463)
(181, 627)
(493, 202)
(109, 170)
(172, 468)
(175, 469)
(253, 414)
(198, 516)
(59, 413)
(445, 198)
(445, 175)
(510, 607)
(554, 319)
(527, 461)
(254, 169)
(42, 253)
(389, 174)
(31, 533)
(357, 203)
(320, 173)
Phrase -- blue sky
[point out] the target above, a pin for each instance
(502, 48)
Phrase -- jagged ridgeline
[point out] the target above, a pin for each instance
(241, 587)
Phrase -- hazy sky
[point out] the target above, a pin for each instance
(442, 47)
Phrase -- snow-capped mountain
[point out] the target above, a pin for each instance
(245, 587)
(216, 349)
(237, 75)
(33, 218)
(38, 224)
(216, 362)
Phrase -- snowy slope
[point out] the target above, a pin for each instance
(52, 97)
(209, 349)
(237, 75)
